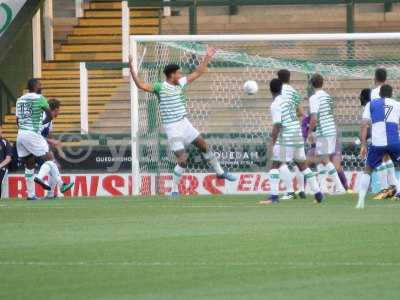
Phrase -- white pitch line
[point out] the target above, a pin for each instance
(198, 264)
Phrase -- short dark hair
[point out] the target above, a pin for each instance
(365, 96)
(386, 91)
(31, 85)
(317, 81)
(170, 69)
(284, 75)
(54, 104)
(380, 75)
(275, 86)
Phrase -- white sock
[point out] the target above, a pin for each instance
(55, 173)
(300, 178)
(312, 180)
(332, 173)
(363, 189)
(44, 170)
(274, 181)
(391, 173)
(30, 183)
(322, 174)
(53, 184)
(213, 161)
(383, 178)
(178, 171)
(286, 177)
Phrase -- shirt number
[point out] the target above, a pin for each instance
(25, 110)
(388, 110)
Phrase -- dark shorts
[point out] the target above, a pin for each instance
(376, 154)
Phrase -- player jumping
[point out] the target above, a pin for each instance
(172, 105)
(383, 115)
(30, 143)
(287, 143)
(322, 121)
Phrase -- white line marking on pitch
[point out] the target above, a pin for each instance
(198, 264)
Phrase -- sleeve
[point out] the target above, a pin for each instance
(314, 105)
(157, 87)
(44, 104)
(276, 114)
(183, 81)
(297, 98)
(367, 112)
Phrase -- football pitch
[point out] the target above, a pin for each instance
(219, 247)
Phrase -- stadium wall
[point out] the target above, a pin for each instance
(117, 184)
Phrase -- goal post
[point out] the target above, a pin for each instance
(237, 126)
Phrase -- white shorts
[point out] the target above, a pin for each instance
(326, 145)
(29, 142)
(180, 134)
(288, 153)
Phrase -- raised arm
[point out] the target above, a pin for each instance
(203, 66)
(140, 84)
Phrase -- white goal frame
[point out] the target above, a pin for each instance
(134, 39)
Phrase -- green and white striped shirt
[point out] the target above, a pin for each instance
(29, 111)
(321, 104)
(172, 100)
(284, 112)
(289, 92)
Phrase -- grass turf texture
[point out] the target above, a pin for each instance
(199, 248)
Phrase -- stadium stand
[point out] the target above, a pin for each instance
(95, 37)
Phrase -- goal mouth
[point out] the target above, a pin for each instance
(236, 125)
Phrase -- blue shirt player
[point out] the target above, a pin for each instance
(383, 115)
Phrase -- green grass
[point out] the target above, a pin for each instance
(199, 248)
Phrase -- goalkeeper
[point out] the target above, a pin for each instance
(172, 105)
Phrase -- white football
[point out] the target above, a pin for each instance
(250, 87)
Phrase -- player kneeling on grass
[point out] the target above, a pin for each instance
(383, 115)
(287, 143)
(31, 144)
(179, 130)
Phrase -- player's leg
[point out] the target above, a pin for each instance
(336, 159)
(301, 162)
(391, 176)
(326, 147)
(202, 145)
(383, 181)
(394, 153)
(374, 158)
(40, 149)
(29, 162)
(300, 182)
(181, 165)
(287, 178)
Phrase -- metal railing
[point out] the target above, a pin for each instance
(233, 4)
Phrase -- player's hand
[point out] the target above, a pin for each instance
(57, 144)
(363, 151)
(210, 51)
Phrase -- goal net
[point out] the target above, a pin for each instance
(237, 126)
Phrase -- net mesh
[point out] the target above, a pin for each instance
(237, 126)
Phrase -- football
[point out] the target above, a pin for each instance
(250, 87)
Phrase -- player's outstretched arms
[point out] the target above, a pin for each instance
(140, 84)
(203, 66)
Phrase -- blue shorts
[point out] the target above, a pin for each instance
(376, 154)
